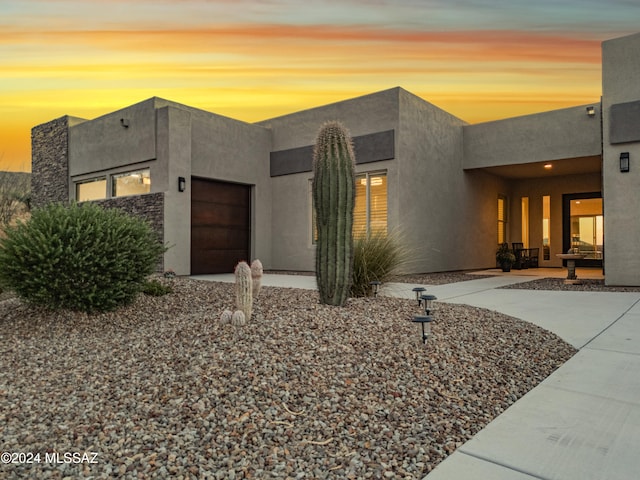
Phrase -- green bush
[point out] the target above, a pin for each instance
(155, 289)
(377, 257)
(78, 257)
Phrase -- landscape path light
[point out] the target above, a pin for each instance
(419, 291)
(428, 303)
(375, 285)
(425, 324)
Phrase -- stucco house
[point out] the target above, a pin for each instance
(220, 190)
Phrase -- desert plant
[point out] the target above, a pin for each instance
(154, 288)
(256, 276)
(78, 257)
(244, 289)
(377, 257)
(226, 317)
(333, 201)
(15, 192)
(505, 257)
(238, 319)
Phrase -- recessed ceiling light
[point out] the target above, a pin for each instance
(548, 166)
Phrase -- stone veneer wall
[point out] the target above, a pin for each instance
(50, 162)
(149, 207)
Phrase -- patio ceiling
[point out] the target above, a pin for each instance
(567, 166)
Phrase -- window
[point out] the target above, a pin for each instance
(131, 183)
(370, 209)
(546, 227)
(502, 219)
(587, 227)
(524, 204)
(93, 189)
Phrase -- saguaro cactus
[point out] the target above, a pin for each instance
(244, 289)
(333, 199)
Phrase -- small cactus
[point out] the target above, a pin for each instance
(238, 319)
(244, 289)
(226, 317)
(256, 276)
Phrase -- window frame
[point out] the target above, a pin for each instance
(358, 177)
(79, 183)
(504, 221)
(368, 210)
(141, 171)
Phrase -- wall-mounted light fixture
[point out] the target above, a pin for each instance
(591, 111)
(182, 184)
(124, 122)
(624, 161)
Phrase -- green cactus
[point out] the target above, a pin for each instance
(333, 199)
(244, 289)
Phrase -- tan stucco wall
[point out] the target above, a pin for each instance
(621, 84)
(433, 190)
(542, 137)
(174, 155)
(103, 143)
(291, 211)
(229, 150)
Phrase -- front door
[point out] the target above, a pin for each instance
(583, 227)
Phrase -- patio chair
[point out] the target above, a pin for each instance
(521, 255)
(533, 257)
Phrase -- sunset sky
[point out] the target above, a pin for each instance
(256, 59)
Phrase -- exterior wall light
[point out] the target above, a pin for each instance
(591, 111)
(375, 285)
(182, 184)
(425, 324)
(419, 291)
(624, 161)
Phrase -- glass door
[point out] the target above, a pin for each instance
(583, 228)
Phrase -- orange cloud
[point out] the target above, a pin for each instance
(254, 72)
(262, 39)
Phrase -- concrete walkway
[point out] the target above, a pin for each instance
(583, 421)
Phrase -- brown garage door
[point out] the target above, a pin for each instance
(220, 225)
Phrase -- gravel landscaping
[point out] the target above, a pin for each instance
(161, 389)
(585, 285)
(438, 278)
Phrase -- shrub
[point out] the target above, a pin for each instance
(377, 257)
(78, 257)
(155, 289)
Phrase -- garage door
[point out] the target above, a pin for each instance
(220, 225)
